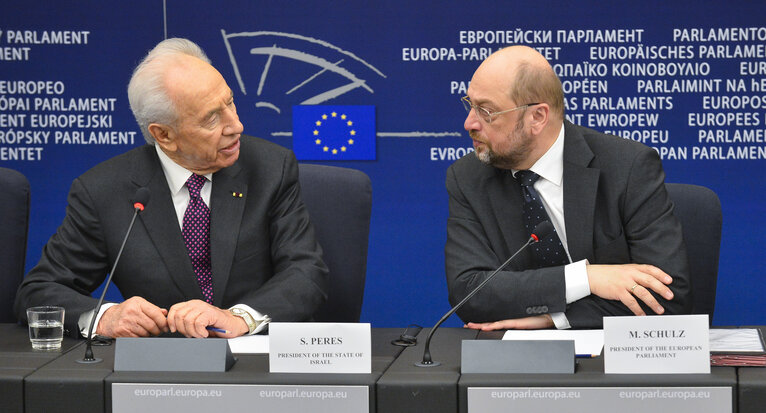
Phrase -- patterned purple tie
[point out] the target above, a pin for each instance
(196, 234)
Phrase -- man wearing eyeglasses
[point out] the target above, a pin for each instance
(617, 249)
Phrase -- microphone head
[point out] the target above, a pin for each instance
(542, 230)
(141, 198)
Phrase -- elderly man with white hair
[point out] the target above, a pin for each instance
(225, 242)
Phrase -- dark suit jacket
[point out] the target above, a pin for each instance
(616, 211)
(263, 250)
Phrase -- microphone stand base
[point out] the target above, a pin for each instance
(431, 364)
(94, 361)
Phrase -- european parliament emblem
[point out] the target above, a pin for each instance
(322, 132)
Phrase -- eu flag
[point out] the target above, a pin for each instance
(322, 132)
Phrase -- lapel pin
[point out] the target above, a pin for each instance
(236, 194)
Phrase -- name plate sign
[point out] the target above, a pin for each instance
(320, 348)
(656, 344)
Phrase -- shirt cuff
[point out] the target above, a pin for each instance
(560, 320)
(84, 321)
(576, 281)
(261, 320)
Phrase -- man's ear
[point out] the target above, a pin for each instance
(163, 136)
(540, 117)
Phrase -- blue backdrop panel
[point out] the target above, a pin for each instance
(686, 78)
(81, 51)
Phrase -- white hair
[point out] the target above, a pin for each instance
(148, 98)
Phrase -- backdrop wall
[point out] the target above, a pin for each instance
(687, 78)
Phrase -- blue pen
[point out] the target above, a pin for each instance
(217, 330)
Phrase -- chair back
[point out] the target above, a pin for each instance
(699, 211)
(14, 227)
(339, 201)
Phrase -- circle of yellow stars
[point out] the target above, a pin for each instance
(344, 118)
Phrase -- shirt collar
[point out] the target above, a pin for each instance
(551, 165)
(175, 174)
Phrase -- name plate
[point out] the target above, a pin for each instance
(172, 354)
(206, 398)
(517, 356)
(320, 348)
(656, 344)
(600, 399)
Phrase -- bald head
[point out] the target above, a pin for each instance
(525, 76)
(521, 88)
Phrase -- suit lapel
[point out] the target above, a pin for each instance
(580, 189)
(227, 204)
(160, 222)
(505, 196)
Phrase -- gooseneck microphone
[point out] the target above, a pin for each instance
(140, 199)
(541, 231)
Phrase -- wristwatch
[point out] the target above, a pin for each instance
(251, 323)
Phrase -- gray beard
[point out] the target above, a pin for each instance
(486, 157)
(510, 160)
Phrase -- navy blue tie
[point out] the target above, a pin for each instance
(549, 251)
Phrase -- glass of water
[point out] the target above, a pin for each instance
(46, 327)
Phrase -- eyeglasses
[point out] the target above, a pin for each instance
(485, 114)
